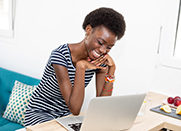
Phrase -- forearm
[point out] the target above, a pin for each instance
(77, 94)
(73, 96)
(108, 87)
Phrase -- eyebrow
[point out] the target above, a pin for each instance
(104, 41)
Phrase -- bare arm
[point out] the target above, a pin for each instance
(73, 96)
(100, 78)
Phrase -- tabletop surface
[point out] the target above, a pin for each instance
(150, 121)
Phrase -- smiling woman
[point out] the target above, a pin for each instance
(99, 41)
(71, 67)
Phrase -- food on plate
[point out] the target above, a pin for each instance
(177, 97)
(166, 108)
(177, 102)
(170, 100)
(173, 101)
(178, 111)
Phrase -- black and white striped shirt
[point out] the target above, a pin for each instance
(47, 96)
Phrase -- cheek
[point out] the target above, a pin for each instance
(107, 51)
(91, 44)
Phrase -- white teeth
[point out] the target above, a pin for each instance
(96, 53)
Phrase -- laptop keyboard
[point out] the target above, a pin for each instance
(76, 126)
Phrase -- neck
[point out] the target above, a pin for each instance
(78, 51)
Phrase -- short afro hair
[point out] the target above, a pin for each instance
(108, 18)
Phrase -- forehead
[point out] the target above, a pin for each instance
(104, 33)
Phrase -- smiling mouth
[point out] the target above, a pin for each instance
(95, 54)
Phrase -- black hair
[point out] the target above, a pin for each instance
(108, 18)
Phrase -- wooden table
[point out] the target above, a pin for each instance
(151, 121)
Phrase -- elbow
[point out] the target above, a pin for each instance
(75, 112)
(74, 108)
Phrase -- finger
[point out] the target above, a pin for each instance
(96, 60)
(106, 62)
(101, 62)
(100, 67)
(103, 59)
(88, 59)
(100, 57)
(105, 55)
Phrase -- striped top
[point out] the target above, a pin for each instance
(47, 96)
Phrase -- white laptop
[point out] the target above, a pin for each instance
(110, 113)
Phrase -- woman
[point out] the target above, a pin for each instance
(71, 67)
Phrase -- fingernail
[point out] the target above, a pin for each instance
(88, 59)
(92, 61)
(105, 55)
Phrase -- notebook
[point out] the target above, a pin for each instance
(109, 113)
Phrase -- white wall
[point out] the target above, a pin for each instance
(167, 71)
(167, 81)
(42, 25)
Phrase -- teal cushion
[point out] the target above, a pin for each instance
(6, 125)
(8, 78)
(18, 102)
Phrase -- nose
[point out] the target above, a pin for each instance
(103, 49)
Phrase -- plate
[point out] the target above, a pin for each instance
(172, 114)
(171, 105)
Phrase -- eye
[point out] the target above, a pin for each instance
(99, 42)
(109, 48)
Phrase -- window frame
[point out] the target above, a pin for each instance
(168, 34)
(9, 33)
(10, 37)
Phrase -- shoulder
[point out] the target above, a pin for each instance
(62, 49)
(60, 55)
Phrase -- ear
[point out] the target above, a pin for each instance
(88, 30)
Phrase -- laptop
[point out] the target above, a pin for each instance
(109, 113)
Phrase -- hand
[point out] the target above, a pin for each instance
(104, 60)
(109, 61)
(89, 65)
(98, 61)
